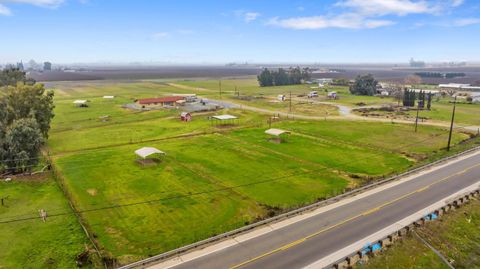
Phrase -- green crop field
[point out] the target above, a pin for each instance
(213, 178)
(33, 243)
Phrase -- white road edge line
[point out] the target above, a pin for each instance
(226, 243)
(340, 254)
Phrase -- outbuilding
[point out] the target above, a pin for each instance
(185, 116)
(277, 135)
(332, 95)
(81, 103)
(224, 119)
(172, 101)
(149, 155)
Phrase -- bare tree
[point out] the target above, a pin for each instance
(396, 91)
(450, 92)
(413, 80)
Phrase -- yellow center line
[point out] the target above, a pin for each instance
(365, 213)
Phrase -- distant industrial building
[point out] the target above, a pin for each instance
(475, 97)
(47, 66)
(459, 86)
(323, 81)
(20, 66)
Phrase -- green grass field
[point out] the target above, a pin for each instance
(466, 114)
(33, 243)
(455, 235)
(213, 178)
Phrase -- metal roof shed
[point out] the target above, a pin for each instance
(277, 133)
(225, 117)
(225, 120)
(148, 151)
(80, 103)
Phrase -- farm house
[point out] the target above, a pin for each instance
(171, 101)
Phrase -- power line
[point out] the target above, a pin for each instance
(192, 194)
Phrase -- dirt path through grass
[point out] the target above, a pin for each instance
(349, 117)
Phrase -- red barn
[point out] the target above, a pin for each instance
(185, 116)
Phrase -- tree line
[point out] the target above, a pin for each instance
(291, 76)
(439, 75)
(26, 110)
(411, 96)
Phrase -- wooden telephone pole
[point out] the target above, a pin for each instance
(290, 106)
(220, 87)
(451, 124)
(416, 119)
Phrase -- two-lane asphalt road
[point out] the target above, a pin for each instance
(306, 242)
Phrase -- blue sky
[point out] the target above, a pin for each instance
(221, 31)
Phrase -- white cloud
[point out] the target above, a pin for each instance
(251, 16)
(386, 7)
(5, 11)
(247, 16)
(457, 3)
(358, 14)
(466, 22)
(40, 3)
(346, 21)
(160, 35)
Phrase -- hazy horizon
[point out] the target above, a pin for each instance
(219, 32)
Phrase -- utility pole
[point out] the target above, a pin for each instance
(416, 119)
(290, 106)
(451, 124)
(220, 87)
(3, 200)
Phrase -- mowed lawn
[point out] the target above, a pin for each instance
(33, 243)
(213, 179)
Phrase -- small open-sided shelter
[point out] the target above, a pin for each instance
(81, 103)
(146, 153)
(224, 119)
(278, 135)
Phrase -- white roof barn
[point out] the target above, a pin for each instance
(80, 102)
